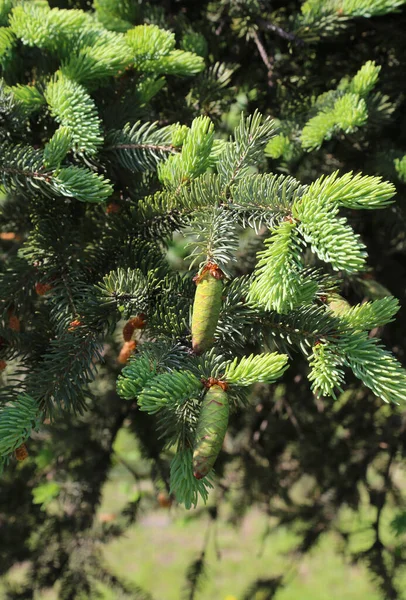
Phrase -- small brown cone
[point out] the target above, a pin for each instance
(21, 453)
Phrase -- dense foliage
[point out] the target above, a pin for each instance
(121, 185)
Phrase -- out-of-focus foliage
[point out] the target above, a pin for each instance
(330, 74)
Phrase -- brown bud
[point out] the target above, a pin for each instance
(112, 208)
(14, 323)
(164, 500)
(137, 322)
(42, 288)
(127, 349)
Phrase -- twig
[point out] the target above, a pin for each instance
(265, 58)
(286, 35)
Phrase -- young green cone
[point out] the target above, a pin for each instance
(211, 429)
(206, 311)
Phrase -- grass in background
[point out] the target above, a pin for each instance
(155, 552)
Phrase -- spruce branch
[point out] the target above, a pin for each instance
(54, 29)
(154, 52)
(82, 184)
(117, 16)
(29, 98)
(265, 199)
(7, 43)
(332, 239)
(302, 327)
(260, 368)
(400, 166)
(375, 367)
(194, 158)
(365, 79)
(326, 372)
(277, 283)
(213, 238)
(136, 376)
(250, 139)
(140, 147)
(184, 485)
(74, 109)
(22, 168)
(168, 389)
(58, 147)
(352, 191)
(5, 9)
(371, 314)
(126, 289)
(149, 42)
(101, 54)
(195, 576)
(68, 367)
(177, 62)
(369, 8)
(17, 419)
